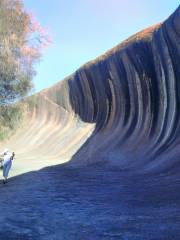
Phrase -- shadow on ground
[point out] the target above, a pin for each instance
(89, 203)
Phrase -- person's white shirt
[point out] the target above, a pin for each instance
(7, 157)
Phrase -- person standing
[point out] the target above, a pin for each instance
(7, 163)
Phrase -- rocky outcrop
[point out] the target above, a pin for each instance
(132, 95)
(129, 99)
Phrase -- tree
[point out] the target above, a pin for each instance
(21, 42)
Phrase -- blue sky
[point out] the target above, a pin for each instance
(84, 29)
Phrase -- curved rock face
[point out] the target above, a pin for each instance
(132, 93)
(122, 108)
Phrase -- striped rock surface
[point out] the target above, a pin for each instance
(121, 109)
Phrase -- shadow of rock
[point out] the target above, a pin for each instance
(95, 202)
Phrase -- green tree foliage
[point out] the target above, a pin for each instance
(10, 119)
(21, 42)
